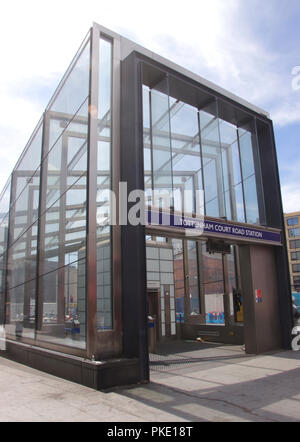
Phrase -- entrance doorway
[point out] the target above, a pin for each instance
(194, 294)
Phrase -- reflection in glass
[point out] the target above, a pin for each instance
(21, 282)
(232, 176)
(161, 142)
(246, 148)
(75, 89)
(64, 310)
(147, 142)
(21, 285)
(179, 281)
(176, 161)
(235, 295)
(212, 163)
(193, 280)
(251, 203)
(104, 213)
(4, 207)
(60, 232)
(63, 213)
(186, 158)
(213, 285)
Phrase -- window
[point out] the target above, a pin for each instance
(296, 268)
(292, 221)
(295, 244)
(294, 232)
(297, 283)
(295, 256)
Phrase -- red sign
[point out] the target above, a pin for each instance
(258, 296)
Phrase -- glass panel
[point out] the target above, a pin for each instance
(63, 220)
(23, 255)
(294, 232)
(5, 201)
(186, 159)
(213, 286)
(65, 234)
(104, 298)
(227, 157)
(295, 256)
(25, 209)
(22, 284)
(29, 164)
(104, 212)
(235, 294)
(212, 163)
(4, 207)
(161, 140)
(105, 78)
(292, 221)
(194, 294)
(297, 283)
(2, 286)
(21, 310)
(73, 93)
(231, 172)
(179, 279)
(147, 141)
(70, 101)
(248, 173)
(67, 159)
(246, 148)
(63, 309)
(251, 202)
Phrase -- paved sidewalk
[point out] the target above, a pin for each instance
(224, 386)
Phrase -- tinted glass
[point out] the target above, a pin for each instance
(295, 244)
(186, 156)
(212, 163)
(232, 176)
(161, 141)
(193, 280)
(147, 141)
(292, 221)
(182, 155)
(104, 196)
(294, 232)
(213, 286)
(251, 203)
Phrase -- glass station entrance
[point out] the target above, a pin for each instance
(193, 293)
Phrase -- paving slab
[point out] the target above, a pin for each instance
(211, 385)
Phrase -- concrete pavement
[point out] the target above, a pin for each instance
(216, 384)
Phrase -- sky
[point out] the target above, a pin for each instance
(251, 48)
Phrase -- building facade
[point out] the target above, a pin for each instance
(78, 282)
(292, 226)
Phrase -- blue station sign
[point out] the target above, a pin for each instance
(214, 228)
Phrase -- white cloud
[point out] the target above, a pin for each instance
(287, 112)
(291, 197)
